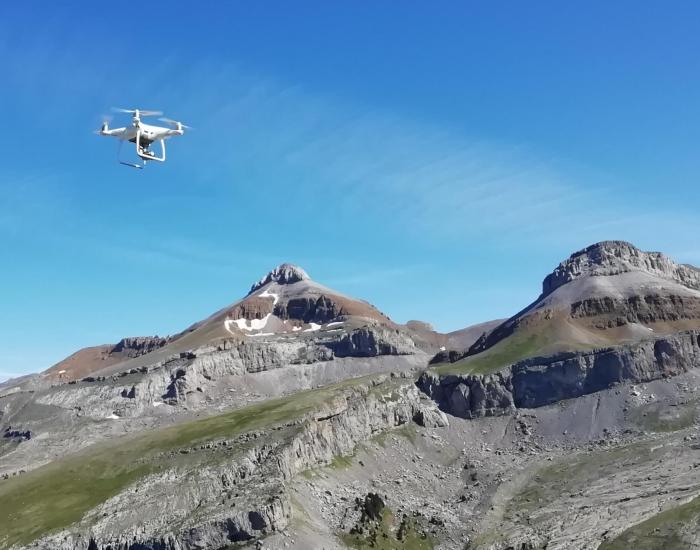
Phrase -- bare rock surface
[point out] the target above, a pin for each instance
(615, 257)
(543, 380)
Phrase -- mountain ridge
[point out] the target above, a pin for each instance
(609, 292)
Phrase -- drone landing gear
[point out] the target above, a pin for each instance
(126, 162)
(143, 152)
(146, 154)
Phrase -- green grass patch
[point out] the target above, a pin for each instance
(59, 494)
(665, 530)
(407, 431)
(538, 339)
(387, 535)
(341, 462)
(516, 347)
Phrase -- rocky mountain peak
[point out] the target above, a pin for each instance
(608, 258)
(283, 274)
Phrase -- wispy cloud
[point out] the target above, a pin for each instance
(396, 171)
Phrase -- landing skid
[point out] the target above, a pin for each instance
(133, 165)
(143, 153)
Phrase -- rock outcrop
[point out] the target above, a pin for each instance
(283, 274)
(371, 342)
(175, 379)
(183, 510)
(615, 257)
(544, 380)
(470, 396)
(643, 308)
(138, 345)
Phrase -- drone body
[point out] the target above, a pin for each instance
(143, 135)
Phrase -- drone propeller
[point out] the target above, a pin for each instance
(175, 123)
(106, 119)
(141, 112)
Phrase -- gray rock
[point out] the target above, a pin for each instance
(373, 341)
(284, 274)
(543, 380)
(182, 509)
(615, 257)
(430, 417)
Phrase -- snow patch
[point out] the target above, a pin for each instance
(261, 334)
(334, 323)
(247, 324)
(61, 371)
(314, 327)
(158, 403)
(442, 348)
(267, 294)
(114, 417)
(295, 329)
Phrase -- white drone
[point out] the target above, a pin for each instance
(143, 135)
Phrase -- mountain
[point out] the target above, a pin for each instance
(608, 293)
(300, 418)
(284, 303)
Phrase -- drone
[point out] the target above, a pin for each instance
(143, 135)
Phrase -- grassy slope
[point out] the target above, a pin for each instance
(664, 530)
(59, 494)
(508, 351)
(538, 337)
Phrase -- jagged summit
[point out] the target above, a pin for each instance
(283, 274)
(609, 258)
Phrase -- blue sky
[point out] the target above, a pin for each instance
(436, 159)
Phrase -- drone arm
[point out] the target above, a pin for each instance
(114, 132)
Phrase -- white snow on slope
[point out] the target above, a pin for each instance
(313, 327)
(113, 417)
(247, 324)
(158, 403)
(334, 323)
(267, 294)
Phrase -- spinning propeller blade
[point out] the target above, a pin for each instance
(174, 122)
(106, 119)
(141, 112)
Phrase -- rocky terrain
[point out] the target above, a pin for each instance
(298, 417)
(608, 293)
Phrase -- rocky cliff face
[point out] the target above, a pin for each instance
(283, 274)
(139, 345)
(371, 342)
(195, 374)
(644, 309)
(615, 257)
(243, 495)
(544, 380)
